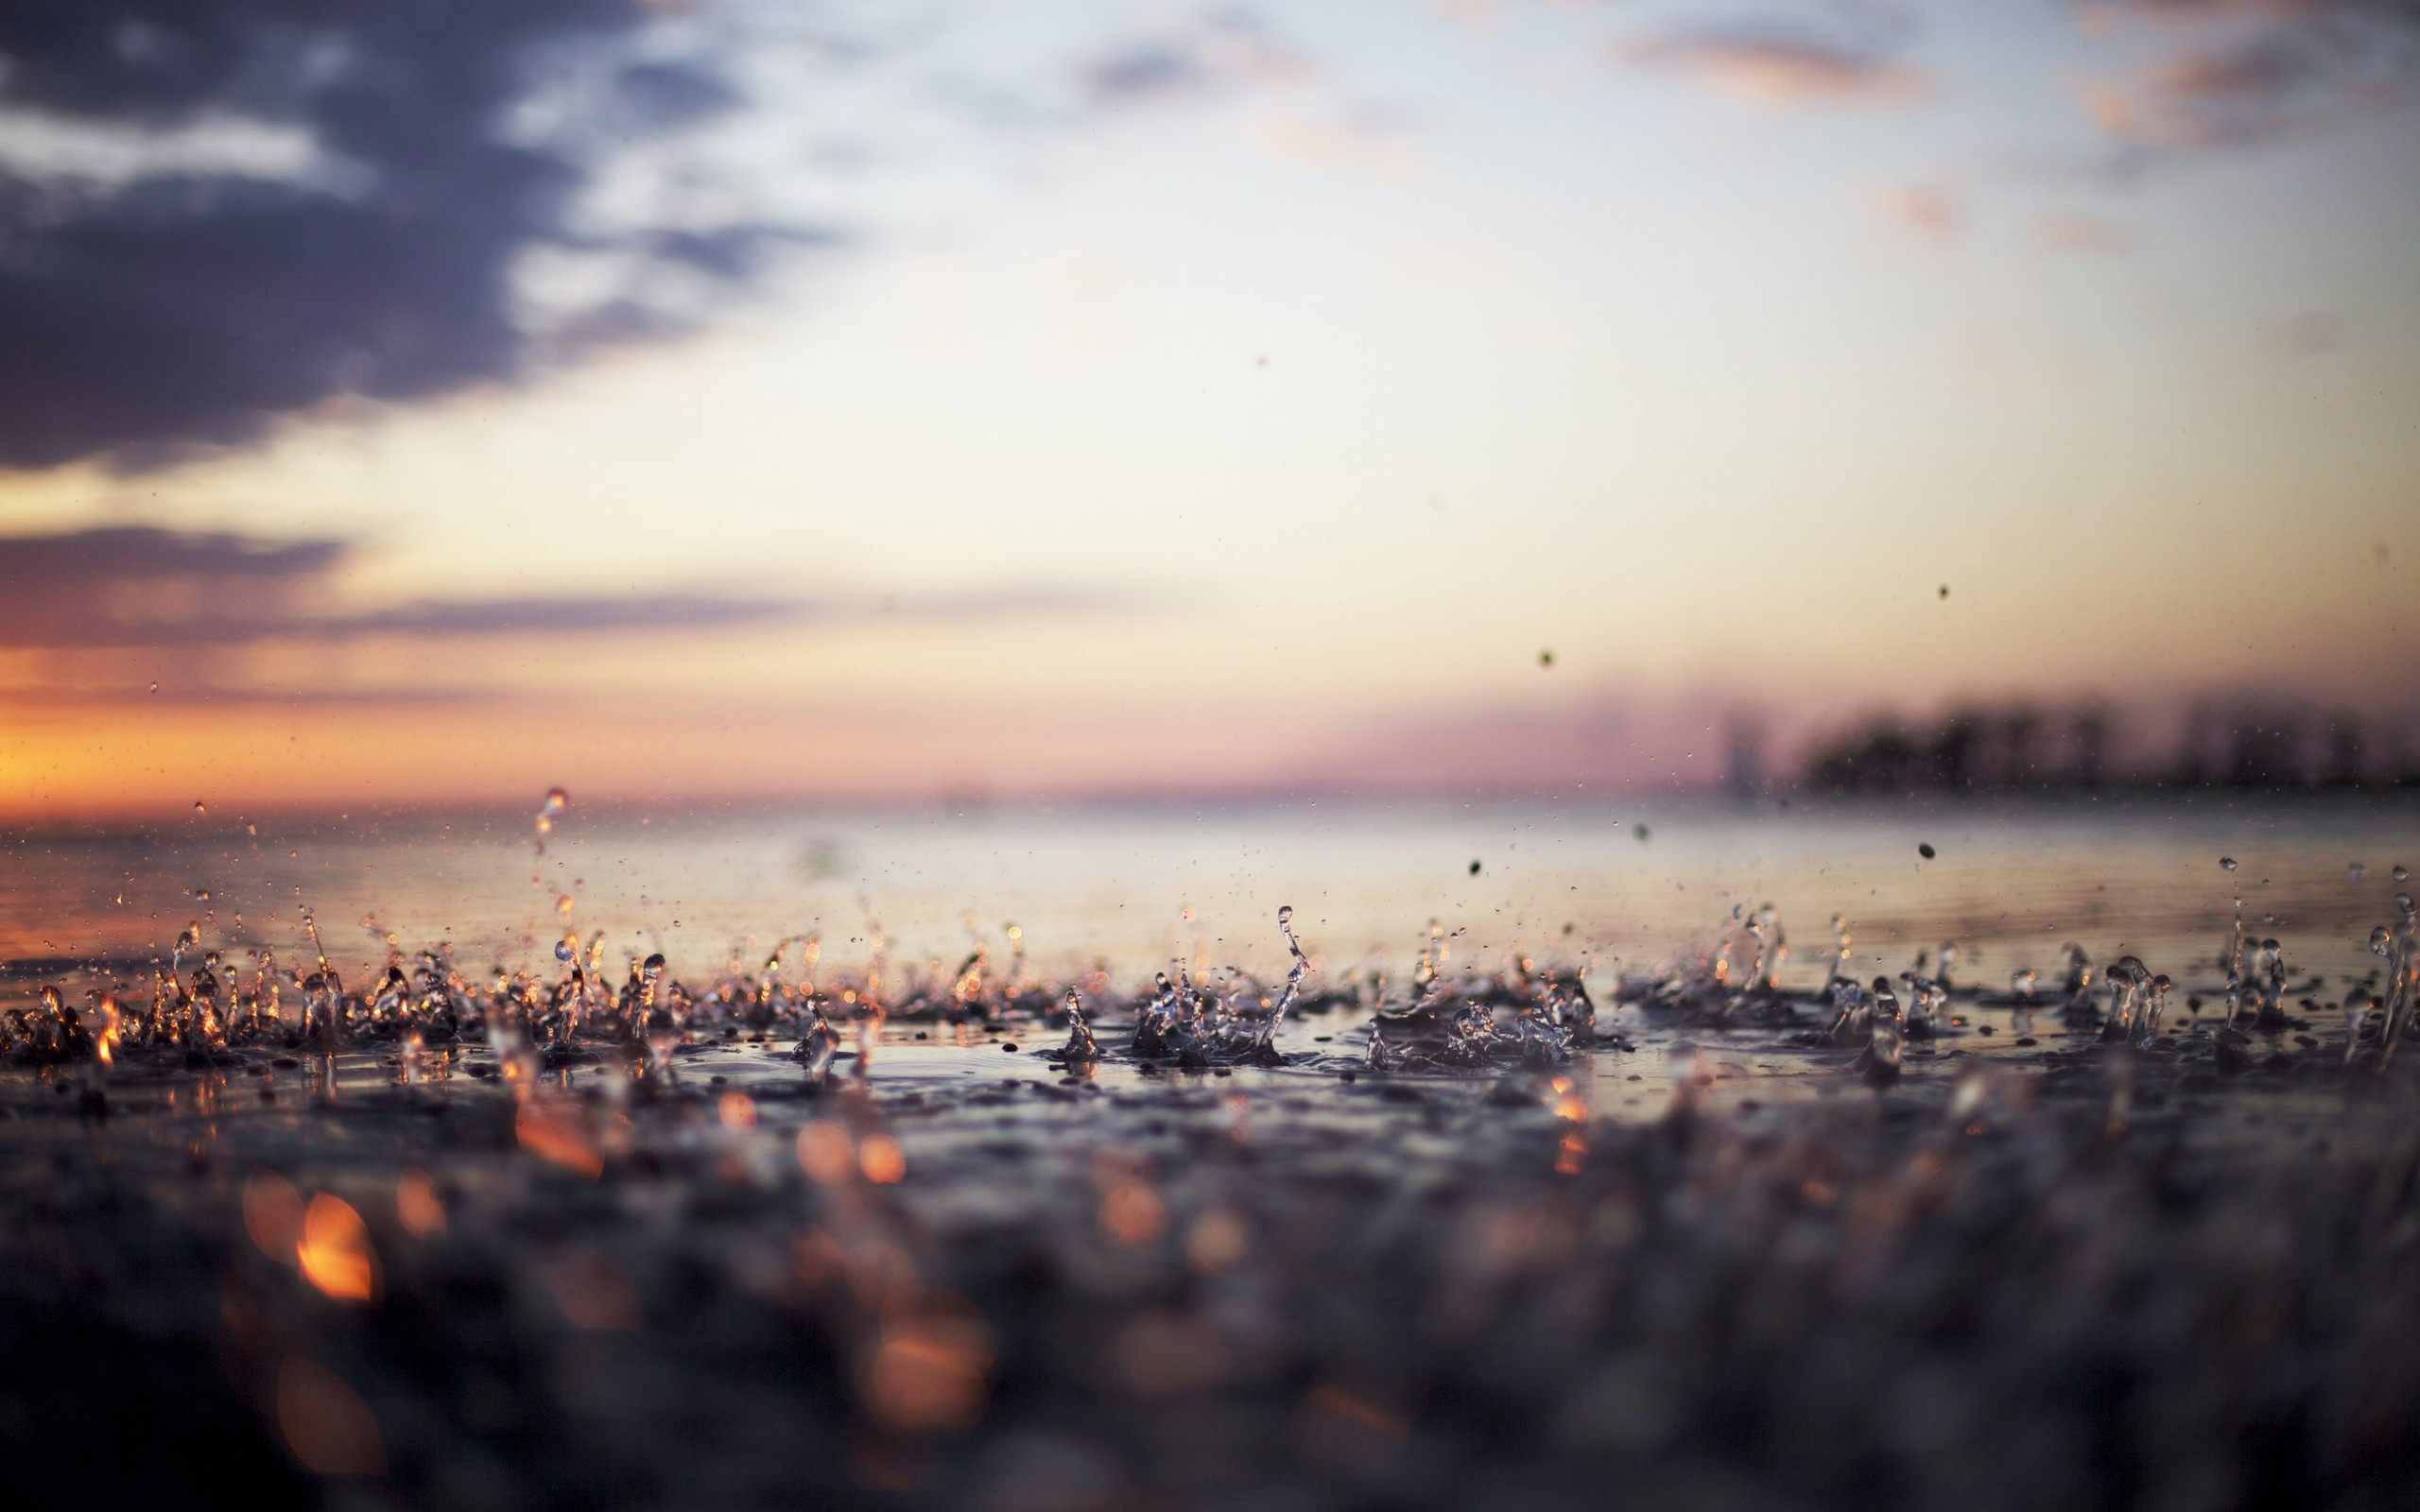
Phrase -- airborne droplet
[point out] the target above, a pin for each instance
(2227, 863)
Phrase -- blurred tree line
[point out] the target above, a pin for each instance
(2020, 748)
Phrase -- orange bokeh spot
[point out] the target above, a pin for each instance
(273, 1214)
(826, 1152)
(554, 1130)
(1132, 1214)
(326, 1423)
(1572, 1154)
(418, 1205)
(335, 1253)
(881, 1158)
(927, 1370)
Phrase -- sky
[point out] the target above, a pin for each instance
(731, 401)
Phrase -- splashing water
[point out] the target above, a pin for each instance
(1081, 1046)
(2129, 981)
(1851, 1013)
(1881, 1063)
(1925, 996)
(1188, 1023)
(2399, 947)
(2154, 1008)
(1839, 969)
(556, 805)
(2359, 1002)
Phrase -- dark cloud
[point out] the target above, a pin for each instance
(2244, 71)
(302, 199)
(1204, 57)
(139, 586)
(134, 586)
(1787, 62)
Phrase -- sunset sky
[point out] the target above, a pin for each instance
(753, 400)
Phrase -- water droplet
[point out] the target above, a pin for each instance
(1926, 850)
(1545, 659)
(1474, 869)
(2226, 863)
(2401, 875)
(198, 808)
(1285, 914)
(155, 687)
(2357, 873)
(556, 801)
(564, 950)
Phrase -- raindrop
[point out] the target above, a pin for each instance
(198, 808)
(2401, 875)
(2226, 863)
(1545, 659)
(1474, 869)
(2357, 873)
(557, 803)
(1927, 851)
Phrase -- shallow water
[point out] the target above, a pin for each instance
(1705, 1258)
(1139, 886)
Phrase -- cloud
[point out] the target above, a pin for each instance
(2074, 234)
(1373, 139)
(1781, 63)
(216, 213)
(129, 587)
(1203, 59)
(1933, 210)
(2255, 71)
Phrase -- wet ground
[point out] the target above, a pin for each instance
(1698, 1264)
